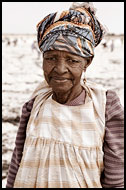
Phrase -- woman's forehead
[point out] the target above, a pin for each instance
(62, 54)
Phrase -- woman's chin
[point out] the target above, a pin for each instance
(61, 85)
(61, 89)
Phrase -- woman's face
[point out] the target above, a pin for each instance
(62, 70)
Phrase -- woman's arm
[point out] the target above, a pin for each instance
(19, 144)
(113, 174)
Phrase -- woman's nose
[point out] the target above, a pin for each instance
(61, 66)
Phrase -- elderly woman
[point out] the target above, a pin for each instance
(71, 130)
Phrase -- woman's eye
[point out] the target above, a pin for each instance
(72, 61)
(50, 58)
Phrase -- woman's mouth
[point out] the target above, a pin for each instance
(59, 79)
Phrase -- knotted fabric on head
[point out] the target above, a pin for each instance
(76, 30)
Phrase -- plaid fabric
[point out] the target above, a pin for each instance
(63, 146)
(113, 146)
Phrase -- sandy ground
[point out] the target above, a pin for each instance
(21, 73)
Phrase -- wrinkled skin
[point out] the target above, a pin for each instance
(62, 71)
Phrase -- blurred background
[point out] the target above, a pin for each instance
(22, 60)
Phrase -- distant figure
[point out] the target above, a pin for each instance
(7, 40)
(35, 48)
(122, 40)
(8, 43)
(104, 43)
(15, 42)
(112, 45)
(39, 53)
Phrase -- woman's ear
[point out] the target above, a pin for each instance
(85, 68)
(89, 60)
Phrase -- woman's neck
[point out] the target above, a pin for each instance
(66, 97)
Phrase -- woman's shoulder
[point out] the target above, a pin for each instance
(111, 93)
(27, 107)
(113, 105)
(112, 97)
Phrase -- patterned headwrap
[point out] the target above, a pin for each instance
(76, 30)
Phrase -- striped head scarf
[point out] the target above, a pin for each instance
(76, 30)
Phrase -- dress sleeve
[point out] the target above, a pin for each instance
(113, 147)
(19, 144)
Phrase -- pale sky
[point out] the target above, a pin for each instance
(22, 17)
